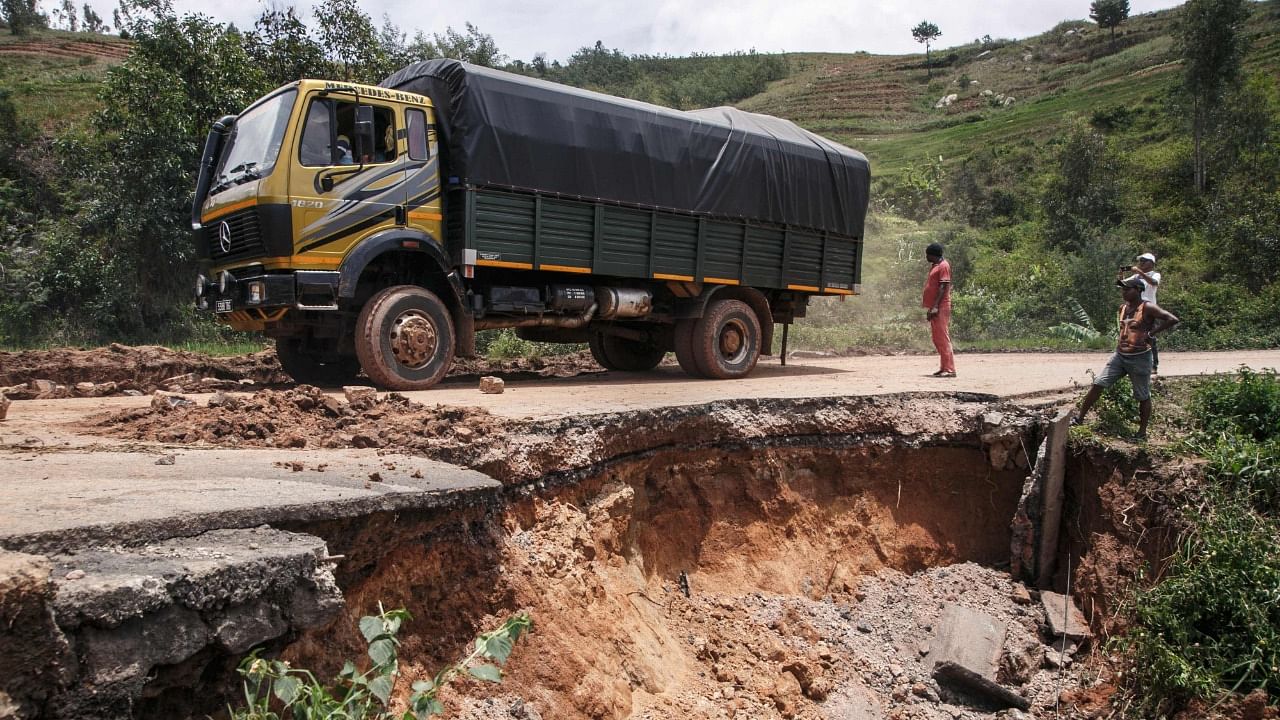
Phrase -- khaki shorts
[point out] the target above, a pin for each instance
(1137, 367)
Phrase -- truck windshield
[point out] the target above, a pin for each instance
(254, 144)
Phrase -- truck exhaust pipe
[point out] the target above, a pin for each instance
(212, 148)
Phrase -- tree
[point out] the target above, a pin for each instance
(473, 46)
(1109, 14)
(1081, 200)
(283, 48)
(93, 22)
(926, 32)
(72, 17)
(350, 39)
(22, 16)
(1212, 48)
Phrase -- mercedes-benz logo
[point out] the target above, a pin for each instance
(224, 236)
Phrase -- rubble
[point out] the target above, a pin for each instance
(491, 385)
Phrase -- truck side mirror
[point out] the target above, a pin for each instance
(364, 134)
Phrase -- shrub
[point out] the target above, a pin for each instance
(366, 696)
(1246, 403)
(1117, 409)
(1214, 622)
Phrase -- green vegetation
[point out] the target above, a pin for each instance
(1212, 623)
(367, 695)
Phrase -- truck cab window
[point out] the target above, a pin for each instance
(328, 138)
(416, 124)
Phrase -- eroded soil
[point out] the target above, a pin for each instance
(122, 369)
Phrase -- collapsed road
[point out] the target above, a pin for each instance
(814, 556)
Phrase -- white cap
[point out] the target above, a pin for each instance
(1147, 256)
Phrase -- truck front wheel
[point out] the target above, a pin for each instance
(404, 338)
(726, 340)
(619, 353)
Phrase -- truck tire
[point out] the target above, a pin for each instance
(682, 338)
(404, 338)
(619, 353)
(305, 366)
(726, 340)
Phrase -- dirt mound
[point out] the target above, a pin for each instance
(112, 51)
(141, 369)
(302, 417)
(121, 369)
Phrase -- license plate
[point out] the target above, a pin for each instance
(222, 306)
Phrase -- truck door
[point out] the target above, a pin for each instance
(422, 173)
(348, 176)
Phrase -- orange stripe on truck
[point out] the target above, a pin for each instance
(228, 210)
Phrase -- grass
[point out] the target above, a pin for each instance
(55, 75)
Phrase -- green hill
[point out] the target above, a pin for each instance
(54, 76)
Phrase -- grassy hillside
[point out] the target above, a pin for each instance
(55, 76)
(884, 105)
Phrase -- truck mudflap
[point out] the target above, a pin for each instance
(302, 289)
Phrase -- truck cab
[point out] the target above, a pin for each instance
(295, 195)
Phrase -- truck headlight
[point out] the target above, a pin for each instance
(201, 282)
(257, 291)
(225, 280)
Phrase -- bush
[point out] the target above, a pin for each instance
(1117, 410)
(1214, 622)
(1246, 403)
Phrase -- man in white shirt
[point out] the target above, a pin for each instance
(1146, 270)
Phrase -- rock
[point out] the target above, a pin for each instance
(358, 393)
(463, 432)
(999, 454)
(182, 380)
(1027, 57)
(1020, 662)
(969, 639)
(133, 393)
(42, 386)
(958, 676)
(946, 100)
(221, 399)
(4, 406)
(75, 575)
(987, 93)
(1020, 594)
(522, 710)
(1064, 617)
(492, 385)
(164, 401)
(984, 53)
(167, 460)
(1008, 100)
(86, 389)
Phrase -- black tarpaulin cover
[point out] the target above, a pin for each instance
(508, 130)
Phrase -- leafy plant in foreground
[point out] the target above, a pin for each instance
(1213, 624)
(1246, 403)
(366, 695)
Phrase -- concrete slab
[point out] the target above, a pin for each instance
(1064, 618)
(60, 501)
(969, 639)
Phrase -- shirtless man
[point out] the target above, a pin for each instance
(1139, 321)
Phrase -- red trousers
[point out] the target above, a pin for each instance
(940, 326)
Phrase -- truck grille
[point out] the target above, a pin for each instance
(245, 237)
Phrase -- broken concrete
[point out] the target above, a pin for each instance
(956, 675)
(970, 639)
(128, 613)
(33, 652)
(1063, 617)
(492, 385)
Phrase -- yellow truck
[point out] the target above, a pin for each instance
(378, 228)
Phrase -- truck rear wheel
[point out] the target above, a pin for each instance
(619, 353)
(682, 338)
(404, 338)
(305, 365)
(726, 340)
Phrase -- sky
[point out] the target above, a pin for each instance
(524, 28)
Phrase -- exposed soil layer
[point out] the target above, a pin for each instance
(118, 369)
(521, 451)
(815, 578)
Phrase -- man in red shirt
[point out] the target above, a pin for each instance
(937, 299)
